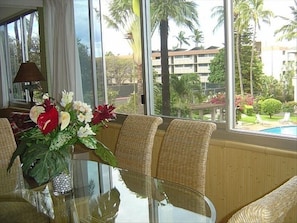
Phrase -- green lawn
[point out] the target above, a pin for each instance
(274, 118)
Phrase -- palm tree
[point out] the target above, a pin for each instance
(124, 17)
(182, 12)
(289, 31)
(256, 13)
(197, 37)
(239, 26)
(218, 11)
(186, 88)
(182, 39)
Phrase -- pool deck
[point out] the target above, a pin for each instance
(264, 125)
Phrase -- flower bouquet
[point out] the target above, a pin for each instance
(44, 148)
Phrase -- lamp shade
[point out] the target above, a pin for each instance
(28, 72)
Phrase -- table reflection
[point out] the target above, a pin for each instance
(105, 194)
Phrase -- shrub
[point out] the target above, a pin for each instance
(248, 110)
(289, 106)
(271, 106)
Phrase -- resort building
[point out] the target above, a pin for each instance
(183, 61)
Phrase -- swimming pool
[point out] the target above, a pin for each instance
(283, 130)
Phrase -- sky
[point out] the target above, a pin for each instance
(115, 42)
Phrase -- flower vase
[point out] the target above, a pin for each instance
(63, 183)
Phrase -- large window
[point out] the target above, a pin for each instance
(188, 66)
(229, 62)
(88, 34)
(20, 39)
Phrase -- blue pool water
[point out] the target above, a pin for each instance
(283, 130)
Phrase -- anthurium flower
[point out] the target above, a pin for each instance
(102, 113)
(47, 105)
(64, 119)
(35, 111)
(60, 125)
(48, 121)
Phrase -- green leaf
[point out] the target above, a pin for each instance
(105, 154)
(43, 164)
(90, 142)
(18, 152)
(62, 139)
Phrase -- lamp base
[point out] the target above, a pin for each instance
(31, 93)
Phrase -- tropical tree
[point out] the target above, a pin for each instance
(124, 17)
(240, 25)
(181, 38)
(197, 37)
(217, 68)
(287, 83)
(256, 13)
(119, 70)
(217, 65)
(289, 31)
(270, 87)
(185, 90)
(218, 11)
(181, 12)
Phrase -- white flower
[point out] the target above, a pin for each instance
(85, 131)
(77, 105)
(35, 112)
(67, 98)
(45, 96)
(64, 119)
(88, 116)
(81, 117)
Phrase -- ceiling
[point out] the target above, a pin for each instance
(6, 13)
(11, 8)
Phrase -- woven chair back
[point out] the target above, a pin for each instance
(272, 208)
(9, 180)
(135, 143)
(183, 153)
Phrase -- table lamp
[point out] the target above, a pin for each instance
(29, 72)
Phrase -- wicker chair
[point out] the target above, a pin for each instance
(135, 143)
(13, 208)
(272, 208)
(183, 153)
(7, 147)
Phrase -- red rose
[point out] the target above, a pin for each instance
(48, 121)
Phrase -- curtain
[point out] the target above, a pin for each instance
(4, 99)
(61, 49)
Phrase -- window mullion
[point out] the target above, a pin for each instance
(229, 62)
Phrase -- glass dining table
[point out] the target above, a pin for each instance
(102, 193)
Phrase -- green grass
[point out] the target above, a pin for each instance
(274, 118)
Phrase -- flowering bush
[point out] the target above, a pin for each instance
(44, 148)
(219, 98)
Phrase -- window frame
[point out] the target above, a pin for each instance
(25, 56)
(225, 131)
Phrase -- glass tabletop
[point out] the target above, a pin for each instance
(105, 194)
